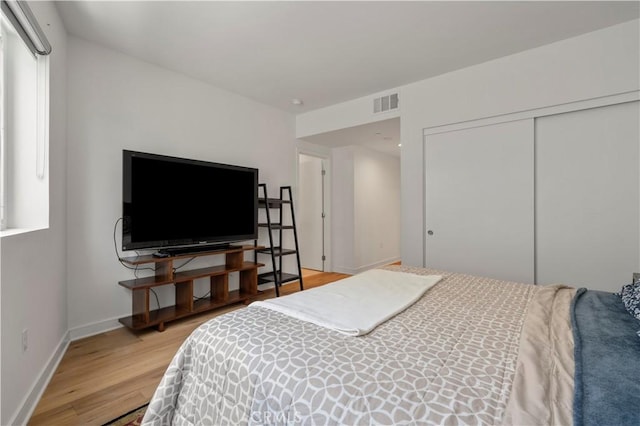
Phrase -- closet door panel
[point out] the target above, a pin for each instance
(479, 201)
(587, 197)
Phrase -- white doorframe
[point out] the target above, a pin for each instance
(326, 159)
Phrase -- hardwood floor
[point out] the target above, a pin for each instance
(104, 376)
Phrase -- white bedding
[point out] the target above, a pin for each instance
(354, 306)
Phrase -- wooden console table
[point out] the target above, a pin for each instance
(185, 305)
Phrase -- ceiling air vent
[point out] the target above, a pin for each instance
(385, 103)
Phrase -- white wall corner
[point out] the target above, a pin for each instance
(30, 401)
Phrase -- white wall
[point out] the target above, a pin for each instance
(596, 64)
(589, 66)
(116, 102)
(366, 212)
(377, 208)
(342, 210)
(33, 276)
(351, 113)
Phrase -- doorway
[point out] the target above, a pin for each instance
(311, 211)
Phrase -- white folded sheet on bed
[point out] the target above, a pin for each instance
(356, 305)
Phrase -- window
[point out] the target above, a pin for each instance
(24, 124)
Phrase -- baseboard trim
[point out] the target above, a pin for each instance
(30, 401)
(344, 270)
(93, 328)
(354, 271)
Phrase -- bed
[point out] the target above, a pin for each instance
(470, 350)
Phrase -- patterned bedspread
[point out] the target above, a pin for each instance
(448, 359)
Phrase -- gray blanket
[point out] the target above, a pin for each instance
(448, 359)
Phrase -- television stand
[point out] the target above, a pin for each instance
(185, 304)
(174, 251)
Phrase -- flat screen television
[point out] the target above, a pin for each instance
(178, 204)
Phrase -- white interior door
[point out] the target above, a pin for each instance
(479, 201)
(310, 212)
(587, 197)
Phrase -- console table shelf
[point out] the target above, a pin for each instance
(185, 302)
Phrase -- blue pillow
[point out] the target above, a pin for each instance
(630, 295)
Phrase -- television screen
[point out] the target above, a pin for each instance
(171, 202)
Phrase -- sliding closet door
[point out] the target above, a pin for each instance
(479, 201)
(587, 197)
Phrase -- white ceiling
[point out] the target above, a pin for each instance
(328, 52)
(382, 136)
